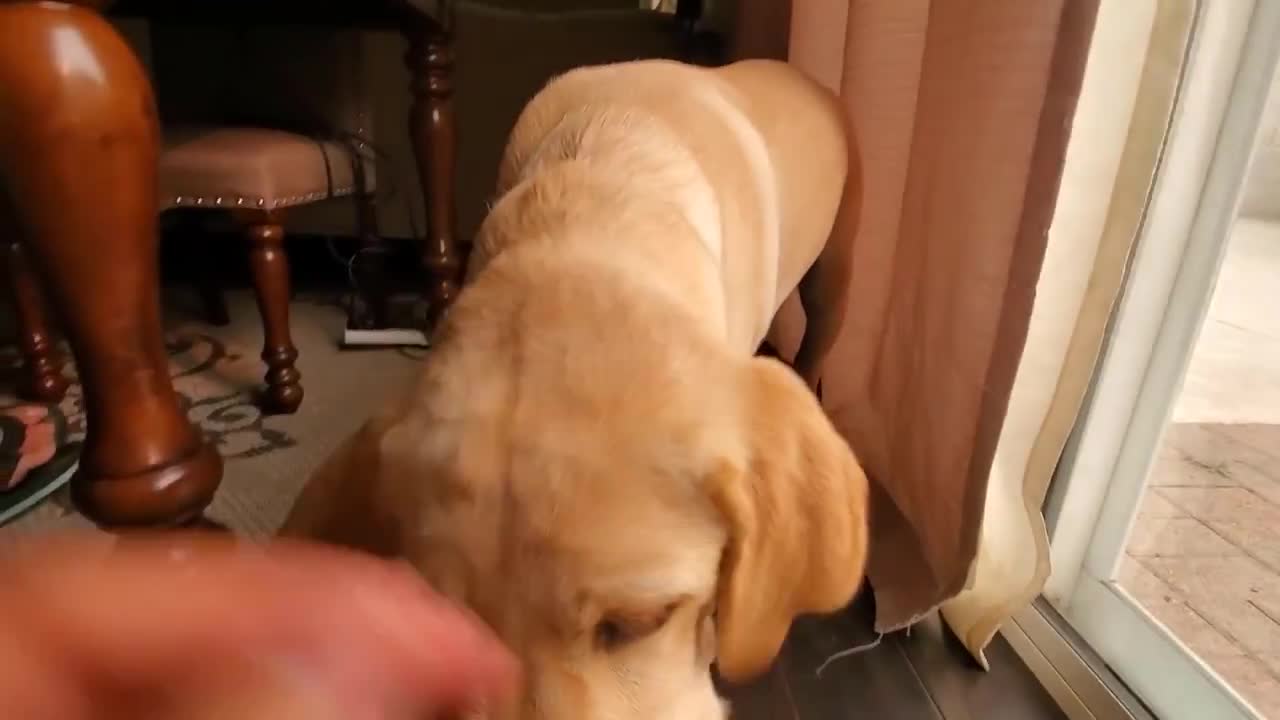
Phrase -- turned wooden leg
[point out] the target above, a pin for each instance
(270, 268)
(78, 148)
(431, 127)
(42, 379)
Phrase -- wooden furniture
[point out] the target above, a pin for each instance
(257, 174)
(76, 122)
(78, 178)
(427, 26)
(42, 369)
(79, 146)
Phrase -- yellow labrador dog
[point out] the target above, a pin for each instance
(593, 461)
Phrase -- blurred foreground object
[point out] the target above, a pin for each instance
(188, 625)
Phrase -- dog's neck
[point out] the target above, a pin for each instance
(655, 224)
(625, 156)
(557, 299)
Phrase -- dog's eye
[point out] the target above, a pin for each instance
(621, 628)
(610, 634)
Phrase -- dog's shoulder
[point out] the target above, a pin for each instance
(584, 98)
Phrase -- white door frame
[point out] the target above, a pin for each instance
(1194, 203)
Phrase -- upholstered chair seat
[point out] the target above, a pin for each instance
(258, 168)
(256, 174)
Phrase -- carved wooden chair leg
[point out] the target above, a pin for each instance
(270, 269)
(42, 369)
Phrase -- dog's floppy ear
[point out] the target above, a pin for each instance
(340, 505)
(795, 508)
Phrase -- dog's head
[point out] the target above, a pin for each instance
(620, 532)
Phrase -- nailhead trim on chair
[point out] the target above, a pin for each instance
(198, 201)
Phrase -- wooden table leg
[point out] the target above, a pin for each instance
(42, 379)
(431, 128)
(78, 148)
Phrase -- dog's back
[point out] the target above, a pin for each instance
(806, 132)
(755, 153)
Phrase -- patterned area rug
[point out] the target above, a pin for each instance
(216, 372)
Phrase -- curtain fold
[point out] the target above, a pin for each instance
(1122, 121)
(962, 110)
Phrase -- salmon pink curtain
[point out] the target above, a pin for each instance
(962, 110)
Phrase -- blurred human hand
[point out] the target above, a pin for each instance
(186, 626)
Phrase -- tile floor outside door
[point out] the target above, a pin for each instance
(1204, 554)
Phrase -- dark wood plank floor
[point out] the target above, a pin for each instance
(926, 675)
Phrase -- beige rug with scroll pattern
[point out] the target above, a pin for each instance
(216, 371)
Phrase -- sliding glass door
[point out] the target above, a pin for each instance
(1163, 560)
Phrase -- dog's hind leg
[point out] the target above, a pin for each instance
(824, 294)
